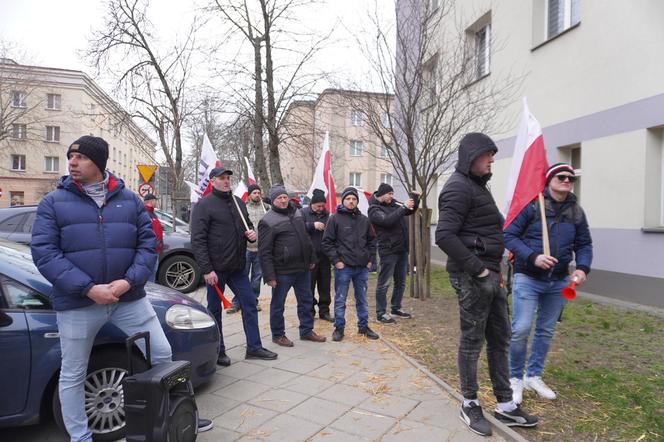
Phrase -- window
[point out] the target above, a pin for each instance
(11, 224)
(356, 118)
(53, 133)
(575, 162)
(18, 99)
(561, 15)
(51, 164)
(355, 179)
(18, 162)
(384, 151)
(355, 148)
(386, 178)
(483, 51)
(16, 198)
(22, 297)
(19, 131)
(53, 101)
(385, 120)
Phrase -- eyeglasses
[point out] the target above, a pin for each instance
(562, 178)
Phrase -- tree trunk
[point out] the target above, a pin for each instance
(411, 255)
(261, 169)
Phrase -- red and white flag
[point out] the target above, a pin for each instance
(323, 177)
(207, 162)
(251, 179)
(241, 191)
(529, 165)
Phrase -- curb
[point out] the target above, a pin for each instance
(500, 428)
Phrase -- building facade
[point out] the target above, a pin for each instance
(358, 158)
(43, 110)
(592, 76)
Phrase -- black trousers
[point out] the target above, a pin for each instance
(321, 276)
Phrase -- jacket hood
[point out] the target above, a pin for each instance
(66, 182)
(342, 209)
(471, 146)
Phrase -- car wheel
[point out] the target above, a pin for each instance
(104, 398)
(179, 272)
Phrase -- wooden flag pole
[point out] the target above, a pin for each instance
(237, 206)
(545, 229)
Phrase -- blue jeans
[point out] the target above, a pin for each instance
(342, 279)
(253, 271)
(301, 284)
(530, 294)
(239, 284)
(78, 329)
(394, 266)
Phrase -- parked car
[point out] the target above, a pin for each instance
(29, 344)
(177, 267)
(180, 225)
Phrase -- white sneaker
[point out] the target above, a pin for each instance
(536, 384)
(516, 385)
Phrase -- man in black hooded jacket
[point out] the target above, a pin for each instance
(469, 231)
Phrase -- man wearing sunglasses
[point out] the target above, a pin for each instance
(539, 278)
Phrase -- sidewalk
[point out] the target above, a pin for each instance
(354, 390)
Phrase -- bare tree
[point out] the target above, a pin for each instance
(155, 84)
(431, 93)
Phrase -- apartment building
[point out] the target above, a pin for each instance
(592, 74)
(358, 158)
(42, 110)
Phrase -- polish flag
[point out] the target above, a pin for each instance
(363, 203)
(527, 177)
(323, 177)
(251, 179)
(207, 162)
(241, 191)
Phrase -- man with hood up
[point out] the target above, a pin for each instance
(469, 231)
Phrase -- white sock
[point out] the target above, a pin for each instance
(468, 402)
(507, 407)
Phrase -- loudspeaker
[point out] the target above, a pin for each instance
(159, 403)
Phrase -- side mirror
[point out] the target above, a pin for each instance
(5, 319)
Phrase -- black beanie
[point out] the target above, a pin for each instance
(318, 197)
(383, 189)
(253, 187)
(557, 168)
(349, 191)
(94, 148)
(277, 190)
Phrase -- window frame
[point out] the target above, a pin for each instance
(54, 130)
(353, 148)
(483, 66)
(568, 20)
(17, 133)
(356, 118)
(387, 175)
(18, 156)
(351, 181)
(46, 163)
(57, 99)
(22, 101)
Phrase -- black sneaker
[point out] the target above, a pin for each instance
(204, 425)
(516, 418)
(261, 353)
(386, 319)
(370, 334)
(338, 334)
(232, 309)
(326, 317)
(223, 360)
(474, 418)
(401, 314)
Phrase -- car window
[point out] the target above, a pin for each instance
(19, 296)
(9, 225)
(27, 222)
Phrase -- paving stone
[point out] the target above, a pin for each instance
(364, 423)
(217, 434)
(439, 413)
(408, 431)
(308, 385)
(283, 428)
(242, 390)
(318, 410)
(332, 435)
(244, 418)
(388, 405)
(210, 405)
(335, 372)
(344, 394)
(240, 370)
(300, 365)
(272, 376)
(278, 400)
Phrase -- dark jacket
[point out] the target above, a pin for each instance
(469, 227)
(349, 238)
(76, 244)
(391, 225)
(217, 233)
(283, 244)
(569, 238)
(316, 235)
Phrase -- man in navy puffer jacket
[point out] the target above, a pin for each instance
(93, 240)
(539, 278)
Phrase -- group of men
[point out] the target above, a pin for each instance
(97, 243)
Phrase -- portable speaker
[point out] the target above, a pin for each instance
(159, 403)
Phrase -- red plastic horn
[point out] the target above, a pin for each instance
(569, 292)
(224, 302)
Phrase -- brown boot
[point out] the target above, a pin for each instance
(313, 337)
(283, 341)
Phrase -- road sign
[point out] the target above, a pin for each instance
(146, 171)
(144, 189)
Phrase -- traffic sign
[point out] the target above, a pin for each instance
(146, 171)
(144, 189)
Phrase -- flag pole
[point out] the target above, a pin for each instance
(237, 206)
(545, 229)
